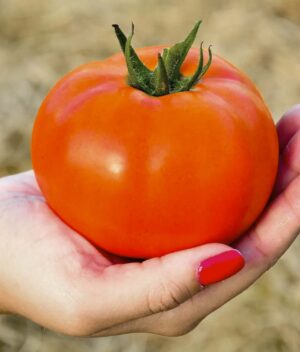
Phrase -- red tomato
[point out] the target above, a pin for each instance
(142, 176)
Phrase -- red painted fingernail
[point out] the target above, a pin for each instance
(220, 267)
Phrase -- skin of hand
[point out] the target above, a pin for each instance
(53, 276)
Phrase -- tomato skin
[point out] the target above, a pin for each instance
(142, 176)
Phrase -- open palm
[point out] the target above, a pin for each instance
(52, 275)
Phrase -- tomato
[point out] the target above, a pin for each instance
(141, 175)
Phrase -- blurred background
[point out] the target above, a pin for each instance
(42, 40)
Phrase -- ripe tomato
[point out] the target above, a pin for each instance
(141, 175)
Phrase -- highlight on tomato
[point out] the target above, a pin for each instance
(155, 150)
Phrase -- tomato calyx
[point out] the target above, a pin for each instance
(166, 78)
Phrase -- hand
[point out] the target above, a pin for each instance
(50, 274)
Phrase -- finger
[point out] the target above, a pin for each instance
(289, 165)
(267, 241)
(288, 125)
(277, 228)
(135, 290)
(261, 248)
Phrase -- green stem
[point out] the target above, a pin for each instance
(161, 80)
(200, 70)
(166, 78)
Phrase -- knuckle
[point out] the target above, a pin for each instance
(267, 260)
(166, 295)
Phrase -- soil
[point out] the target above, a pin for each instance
(42, 40)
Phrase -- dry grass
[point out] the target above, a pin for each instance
(42, 40)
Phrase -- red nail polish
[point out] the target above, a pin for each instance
(220, 267)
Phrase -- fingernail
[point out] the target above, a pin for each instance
(220, 267)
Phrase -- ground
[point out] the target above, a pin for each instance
(42, 40)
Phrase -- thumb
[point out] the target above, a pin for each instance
(160, 284)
